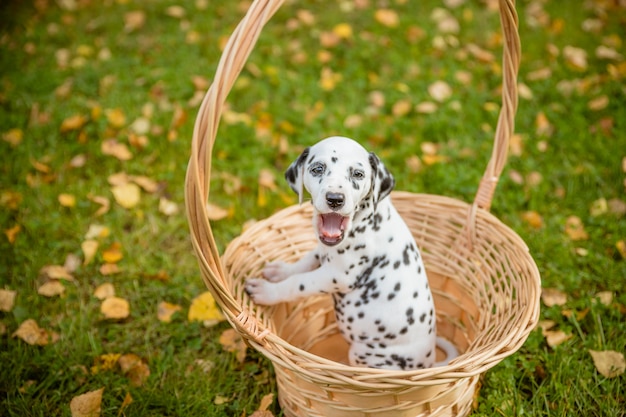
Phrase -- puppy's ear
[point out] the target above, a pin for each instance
(382, 180)
(295, 174)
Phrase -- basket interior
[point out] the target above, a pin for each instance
(475, 288)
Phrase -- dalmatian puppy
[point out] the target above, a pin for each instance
(366, 259)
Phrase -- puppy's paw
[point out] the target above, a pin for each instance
(276, 271)
(261, 291)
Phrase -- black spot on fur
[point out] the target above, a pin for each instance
(396, 264)
(422, 317)
(301, 287)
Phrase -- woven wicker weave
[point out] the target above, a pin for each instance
(485, 284)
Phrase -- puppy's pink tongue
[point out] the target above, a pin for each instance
(332, 225)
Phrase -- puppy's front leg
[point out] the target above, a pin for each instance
(318, 281)
(278, 271)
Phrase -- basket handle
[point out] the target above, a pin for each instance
(234, 56)
(506, 120)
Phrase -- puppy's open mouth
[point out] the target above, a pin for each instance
(331, 227)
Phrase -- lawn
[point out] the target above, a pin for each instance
(99, 287)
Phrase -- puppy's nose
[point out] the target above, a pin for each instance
(335, 200)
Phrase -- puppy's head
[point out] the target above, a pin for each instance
(342, 178)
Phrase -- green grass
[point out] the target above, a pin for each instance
(579, 163)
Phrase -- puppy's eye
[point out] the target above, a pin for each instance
(317, 169)
(358, 174)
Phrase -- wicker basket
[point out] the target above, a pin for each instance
(485, 284)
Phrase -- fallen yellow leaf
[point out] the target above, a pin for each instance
(113, 254)
(556, 337)
(105, 362)
(116, 118)
(87, 405)
(609, 363)
(67, 200)
(74, 122)
(115, 308)
(89, 248)
(343, 30)
(13, 137)
(7, 300)
(387, 17)
(166, 310)
(97, 231)
(203, 308)
(533, 219)
(127, 195)
(104, 291)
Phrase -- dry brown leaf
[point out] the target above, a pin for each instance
(426, 107)
(556, 337)
(609, 363)
(575, 229)
(267, 179)
(266, 401)
(51, 288)
(203, 308)
(168, 207)
(262, 413)
(97, 231)
(598, 103)
(109, 269)
(553, 297)
(231, 341)
(134, 368)
(605, 297)
(104, 291)
(128, 400)
(216, 212)
(7, 300)
(118, 150)
(115, 308)
(440, 91)
(575, 57)
(12, 232)
(166, 310)
(175, 11)
(134, 20)
(127, 195)
(30, 332)
(148, 184)
(543, 127)
(55, 272)
(87, 405)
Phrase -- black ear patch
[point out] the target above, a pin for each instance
(382, 180)
(294, 171)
